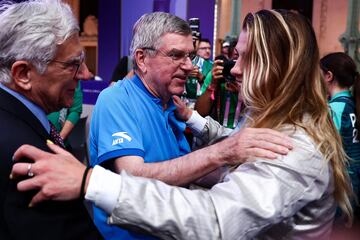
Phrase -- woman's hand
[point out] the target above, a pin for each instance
(182, 112)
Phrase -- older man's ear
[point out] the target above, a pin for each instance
(21, 75)
(140, 60)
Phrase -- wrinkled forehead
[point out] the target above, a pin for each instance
(70, 48)
(176, 41)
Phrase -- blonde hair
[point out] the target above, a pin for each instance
(281, 84)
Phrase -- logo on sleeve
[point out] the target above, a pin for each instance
(120, 136)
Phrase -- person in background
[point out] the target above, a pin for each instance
(65, 119)
(204, 49)
(291, 197)
(225, 50)
(204, 61)
(340, 75)
(202, 66)
(41, 62)
(220, 91)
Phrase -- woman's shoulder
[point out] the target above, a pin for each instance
(305, 155)
(299, 136)
(304, 158)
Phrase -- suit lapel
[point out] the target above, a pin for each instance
(12, 105)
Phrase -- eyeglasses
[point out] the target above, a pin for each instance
(177, 56)
(74, 64)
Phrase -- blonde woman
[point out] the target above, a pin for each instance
(291, 197)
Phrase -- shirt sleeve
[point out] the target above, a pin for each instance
(103, 188)
(206, 130)
(196, 122)
(115, 130)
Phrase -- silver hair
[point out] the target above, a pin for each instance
(32, 31)
(149, 29)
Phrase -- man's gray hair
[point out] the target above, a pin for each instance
(149, 29)
(32, 31)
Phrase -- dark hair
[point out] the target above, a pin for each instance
(343, 68)
(205, 40)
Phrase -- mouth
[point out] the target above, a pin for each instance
(239, 79)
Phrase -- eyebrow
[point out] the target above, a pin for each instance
(76, 58)
(178, 50)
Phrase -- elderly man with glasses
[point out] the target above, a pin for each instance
(41, 62)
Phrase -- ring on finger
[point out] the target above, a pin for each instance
(29, 172)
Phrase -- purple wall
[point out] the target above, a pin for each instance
(91, 90)
(131, 11)
(179, 8)
(161, 6)
(108, 49)
(109, 37)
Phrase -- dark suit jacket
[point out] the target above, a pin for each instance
(48, 220)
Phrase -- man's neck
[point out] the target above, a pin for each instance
(152, 90)
(26, 94)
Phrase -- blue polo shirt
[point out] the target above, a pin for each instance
(129, 121)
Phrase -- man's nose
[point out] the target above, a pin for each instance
(84, 73)
(187, 65)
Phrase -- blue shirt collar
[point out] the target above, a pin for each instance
(35, 109)
(345, 93)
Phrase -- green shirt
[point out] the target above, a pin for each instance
(192, 91)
